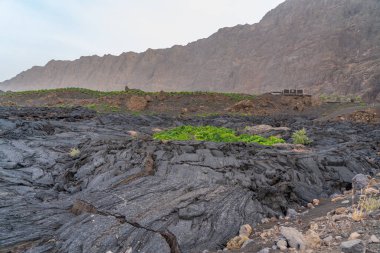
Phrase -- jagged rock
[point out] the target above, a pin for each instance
(247, 243)
(291, 213)
(124, 192)
(294, 237)
(282, 245)
(360, 181)
(266, 130)
(352, 246)
(375, 215)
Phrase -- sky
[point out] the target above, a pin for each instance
(34, 32)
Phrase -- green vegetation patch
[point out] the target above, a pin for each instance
(341, 99)
(97, 94)
(103, 107)
(300, 137)
(92, 93)
(212, 134)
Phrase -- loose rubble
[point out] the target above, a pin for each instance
(333, 229)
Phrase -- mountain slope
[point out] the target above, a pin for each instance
(323, 46)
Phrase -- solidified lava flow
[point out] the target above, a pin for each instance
(123, 192)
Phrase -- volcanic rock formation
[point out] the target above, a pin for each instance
(124, 192)
(321, 46)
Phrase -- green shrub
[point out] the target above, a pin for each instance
(97, 94)
(103, 107)
(300, 137)
(212, 134)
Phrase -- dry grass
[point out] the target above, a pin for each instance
(371, 204)
(369, 201)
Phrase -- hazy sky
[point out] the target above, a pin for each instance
(36, 31)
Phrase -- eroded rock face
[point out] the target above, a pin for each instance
(123, 192)
(321, 46)
(136, 103)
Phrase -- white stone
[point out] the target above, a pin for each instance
(282, 245)
(295, 238)
(374, 239)
(266, 250)
(354, 235)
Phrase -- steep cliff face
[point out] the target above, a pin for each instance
(323, 46)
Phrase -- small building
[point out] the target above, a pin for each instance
(292, 92)
(289, 92)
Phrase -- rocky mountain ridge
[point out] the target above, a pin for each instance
(321, 46)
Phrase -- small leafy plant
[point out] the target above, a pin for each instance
(74, 152)
(300, 137)
(212, 134)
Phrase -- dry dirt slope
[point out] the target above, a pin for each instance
(322, 46)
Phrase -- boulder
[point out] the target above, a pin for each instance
(294, 237)
(291, 213)
(282, 245)
(374, 239)
(352, 246)
(265, 250)
(360, 181)
(266, 130)
(247, 243)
